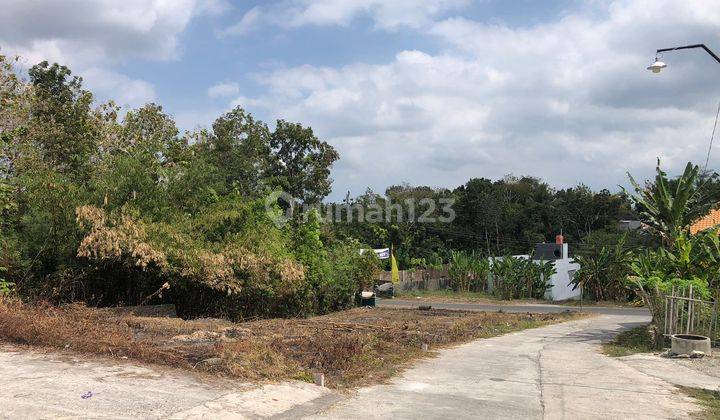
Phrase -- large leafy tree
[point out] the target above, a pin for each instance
(62, 127)
(579, 211)
(239, 146)
(300, 162)
(50, 142)
(602, 274)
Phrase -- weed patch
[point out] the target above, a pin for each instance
(709, 400)
(635, 340)
(351, 348)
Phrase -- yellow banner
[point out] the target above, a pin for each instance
(394, 273)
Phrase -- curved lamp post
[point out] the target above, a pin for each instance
(658, 65)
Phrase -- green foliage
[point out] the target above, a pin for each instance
(516, 278)
(6, 287)
(351, 273)
(254, 161)
(468, 271)
(300, 163)
(691, 261)
(239, 146)
(669, 207)
(434, 261)
(602, 275)
(62, 125)
(335, 273)
(113, 211)
(669, 211)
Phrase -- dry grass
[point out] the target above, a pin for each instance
(351, 348)
(446, 295)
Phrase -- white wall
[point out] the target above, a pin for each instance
(560, 288)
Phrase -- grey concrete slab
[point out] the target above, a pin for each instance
(551, 372)
(672, 370)
(529, 307)
(35, 385)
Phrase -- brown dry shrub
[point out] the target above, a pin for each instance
(254, 359)
(106, 240)
(351, 347)
(78, 328)
(115, 237)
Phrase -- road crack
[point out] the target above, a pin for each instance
(540, 377)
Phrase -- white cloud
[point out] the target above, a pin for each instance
(213, 7)
(125, 91)
(105, 30)
(568, 100)
(92, 36)
(386, 14)
(252, 19)
(223, 89)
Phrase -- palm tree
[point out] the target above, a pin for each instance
(669, 211)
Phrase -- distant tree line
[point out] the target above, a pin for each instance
(113, 206)
(505, 217)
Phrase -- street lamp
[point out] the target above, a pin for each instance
(656, 66)
(659, 65)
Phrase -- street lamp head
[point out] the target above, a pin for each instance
(657, 66)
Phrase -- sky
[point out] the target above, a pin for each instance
(424, 92)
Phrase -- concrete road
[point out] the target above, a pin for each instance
(34, 385)
(529, 307)
(553, 372)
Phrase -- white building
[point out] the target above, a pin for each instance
(565, 268)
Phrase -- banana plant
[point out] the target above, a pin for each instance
(666, 210)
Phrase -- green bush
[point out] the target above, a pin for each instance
(126, 210)
(692, 260)
(602, 274)
(516, 278)
(468, 271)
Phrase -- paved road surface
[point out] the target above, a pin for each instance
(530, 307)
(34, 385)
(553, 372)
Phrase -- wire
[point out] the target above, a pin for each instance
(506, 240)
(712, 136)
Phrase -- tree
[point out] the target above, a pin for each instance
(135, 167)
(239, 146)
(62, 126)
(519, 277)
(669, 211)
(300, 162)
(578, 211)
(691, 261)
(468, 271)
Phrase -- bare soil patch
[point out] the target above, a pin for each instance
(351, 348)
(484, 298)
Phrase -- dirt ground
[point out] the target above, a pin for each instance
(480, 297)
(709, 365)
(351, 348)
